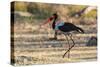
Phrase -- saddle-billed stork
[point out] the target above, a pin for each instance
(65, 28)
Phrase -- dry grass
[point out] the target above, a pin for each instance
(32, 46)
(54, 55)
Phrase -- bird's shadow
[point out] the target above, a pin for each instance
(54, 39)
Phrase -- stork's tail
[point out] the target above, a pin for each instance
(80, 30)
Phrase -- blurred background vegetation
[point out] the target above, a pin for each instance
(41, 11)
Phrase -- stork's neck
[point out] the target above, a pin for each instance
(54, 23)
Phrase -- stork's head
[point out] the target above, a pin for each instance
(54, 16)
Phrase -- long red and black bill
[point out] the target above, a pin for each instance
(48, 20)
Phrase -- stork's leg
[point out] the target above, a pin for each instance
(72, 39)
(55, 35)
(70, 46)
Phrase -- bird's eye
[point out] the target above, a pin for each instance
(51, 18)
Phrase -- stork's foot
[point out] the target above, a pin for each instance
(52, 38)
